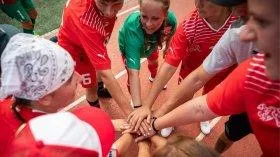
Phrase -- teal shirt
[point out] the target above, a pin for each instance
(131, 39)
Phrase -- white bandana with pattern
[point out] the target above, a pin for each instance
(33, 67)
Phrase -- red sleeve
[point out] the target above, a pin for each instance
(178, 46)
(94, 45)
(228, 97)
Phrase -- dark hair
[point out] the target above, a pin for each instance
(20, 102)
(160, 32)
(182, 146)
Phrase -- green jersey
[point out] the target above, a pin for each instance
(132, 40)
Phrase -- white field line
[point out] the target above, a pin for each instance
(128, 10)
(120, 74)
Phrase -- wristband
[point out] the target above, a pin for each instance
(137, 106)
(153, 124)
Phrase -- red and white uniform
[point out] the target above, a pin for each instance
(191, 44)
(84, 33)
(247, 89)
(9, 122)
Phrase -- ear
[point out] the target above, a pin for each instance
(45, 101)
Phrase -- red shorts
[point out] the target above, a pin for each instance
(83, 64)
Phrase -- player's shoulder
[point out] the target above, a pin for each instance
(132, 22)
(172, 18)
(133, 18)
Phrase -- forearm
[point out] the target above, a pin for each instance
(115, 90)
(165, 73)
(195, 110)
(135, 88)
(123, 144)
(185, 91)
(144, 149)
(158, 141)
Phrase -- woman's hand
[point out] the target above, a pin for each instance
(137, 116)
(151, 132)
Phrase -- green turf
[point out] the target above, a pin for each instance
(49, 16)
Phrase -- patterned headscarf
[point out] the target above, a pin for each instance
(33, 67)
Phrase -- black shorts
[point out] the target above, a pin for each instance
(237, 127)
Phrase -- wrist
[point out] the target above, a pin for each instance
(137, 106)
(153, 125)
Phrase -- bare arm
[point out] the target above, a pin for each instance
(134, 85)
(136, 117)
(195, 110)
(144, 149)
(115, 90)
(164, 75)
(186, 90)
(158, 141)
(123, 144)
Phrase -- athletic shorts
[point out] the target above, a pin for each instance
(237, 127)
(18, 10)
(83, 65)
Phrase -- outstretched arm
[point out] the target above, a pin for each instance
(186, 90)
(115, 90)
(134, 86)
(144, 149)
(165, 73)
(123, 144)
(195, 110)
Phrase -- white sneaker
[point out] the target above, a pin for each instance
(152, 80)
(205, 127)
(166, 131)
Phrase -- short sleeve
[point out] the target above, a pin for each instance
(131, 41)
(228, 97)
(221, 57)
(94, 45)
(178, 46)
(172, 21)
(132, 50)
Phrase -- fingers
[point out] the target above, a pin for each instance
(149, 118)
(130, 116)
(139, 121)
(146, 128)
(125, 126)
(142, 137)
(127, 131)
(142, 131)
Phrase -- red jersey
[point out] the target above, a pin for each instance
(86, 30)
(191, 44)
(247, 89)
(9, 122)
